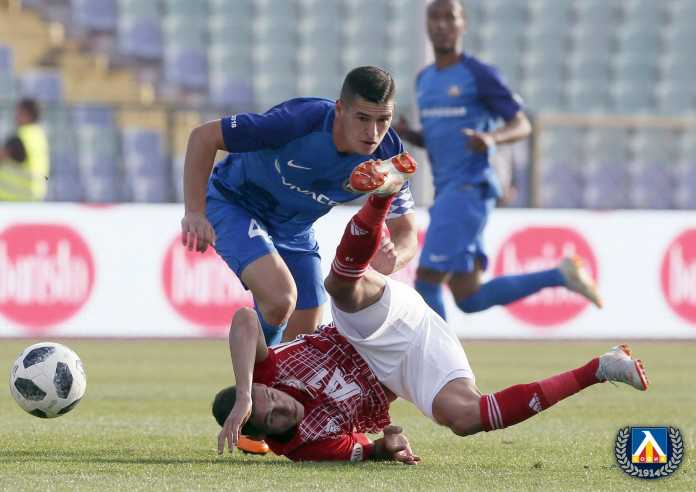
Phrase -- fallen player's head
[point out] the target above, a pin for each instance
(273, 412)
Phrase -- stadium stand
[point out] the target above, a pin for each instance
(116, 61)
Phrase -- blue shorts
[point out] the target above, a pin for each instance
(242, 238)
(454, 240)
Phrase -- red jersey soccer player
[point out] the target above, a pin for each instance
(315, 397)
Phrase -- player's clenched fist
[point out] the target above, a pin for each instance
(196, 232)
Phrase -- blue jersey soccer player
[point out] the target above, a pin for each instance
(460, 99)
(286, 168)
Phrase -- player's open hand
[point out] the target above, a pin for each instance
(385, 258)
(397, 446)
(196, 232)
(235, 421)
(479, 141)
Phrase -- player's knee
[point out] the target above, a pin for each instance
(243, 315)
(336, 286)
(279, 309)
(467, 419)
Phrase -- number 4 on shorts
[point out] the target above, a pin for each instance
(256, 230)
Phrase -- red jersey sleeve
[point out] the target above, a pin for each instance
(265, 371)
(349, 447)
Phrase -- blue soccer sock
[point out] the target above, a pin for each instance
(510, 288)
(432, 293)
(272, 333)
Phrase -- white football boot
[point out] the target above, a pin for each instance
(383, 178)
(578, 279)
(617, 365)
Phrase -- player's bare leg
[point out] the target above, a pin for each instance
(349, 283)
(271, 283)
(461, 407)
(303, 321)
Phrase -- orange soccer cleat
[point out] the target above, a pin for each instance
(382, 177)
(252, 446)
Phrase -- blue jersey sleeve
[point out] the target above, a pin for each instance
(247, 132)
(493, 91)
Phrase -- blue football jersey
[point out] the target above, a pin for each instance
(284, 168)
(468, 94)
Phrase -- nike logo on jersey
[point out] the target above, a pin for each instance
(438, 258)
(317, 197)
(291, 163)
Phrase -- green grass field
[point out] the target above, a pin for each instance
(145, 424)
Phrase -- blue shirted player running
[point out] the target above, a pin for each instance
(288, 167)
(460, 101)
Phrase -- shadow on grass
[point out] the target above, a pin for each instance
(88, 456)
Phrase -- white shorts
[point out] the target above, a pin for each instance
(408, 346)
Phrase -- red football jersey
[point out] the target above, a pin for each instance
(341, 396)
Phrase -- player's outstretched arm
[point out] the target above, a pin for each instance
(203, 144)
(247, 346)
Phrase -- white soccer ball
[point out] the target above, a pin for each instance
(48, 380)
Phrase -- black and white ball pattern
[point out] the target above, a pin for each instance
(48, 380)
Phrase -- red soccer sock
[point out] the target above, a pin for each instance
(361, 239)
(518, 403)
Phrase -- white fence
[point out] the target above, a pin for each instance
(120, 271)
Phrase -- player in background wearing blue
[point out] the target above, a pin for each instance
(460, 100)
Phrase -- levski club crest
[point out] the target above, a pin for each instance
(649, 452)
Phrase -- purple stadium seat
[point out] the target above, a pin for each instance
(64, 189)
(98, 151)
(93, 115)
(6, 60)
(608, 185)
(651, 185)
(95, 15)
(142, 153)
(227, 90)
(102, 190)
(141, 38)
(43, 85)
(186, 68)
(561, 186)
(148, 189)
(64, 164)
(684, 182)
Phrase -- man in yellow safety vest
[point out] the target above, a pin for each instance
(24, 159)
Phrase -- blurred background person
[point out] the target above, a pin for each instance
(460, 100)
(24, 159)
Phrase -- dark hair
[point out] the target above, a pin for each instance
(371, 83)
(222, 406)
(31, 107)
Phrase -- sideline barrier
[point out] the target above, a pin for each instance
(120, 271)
